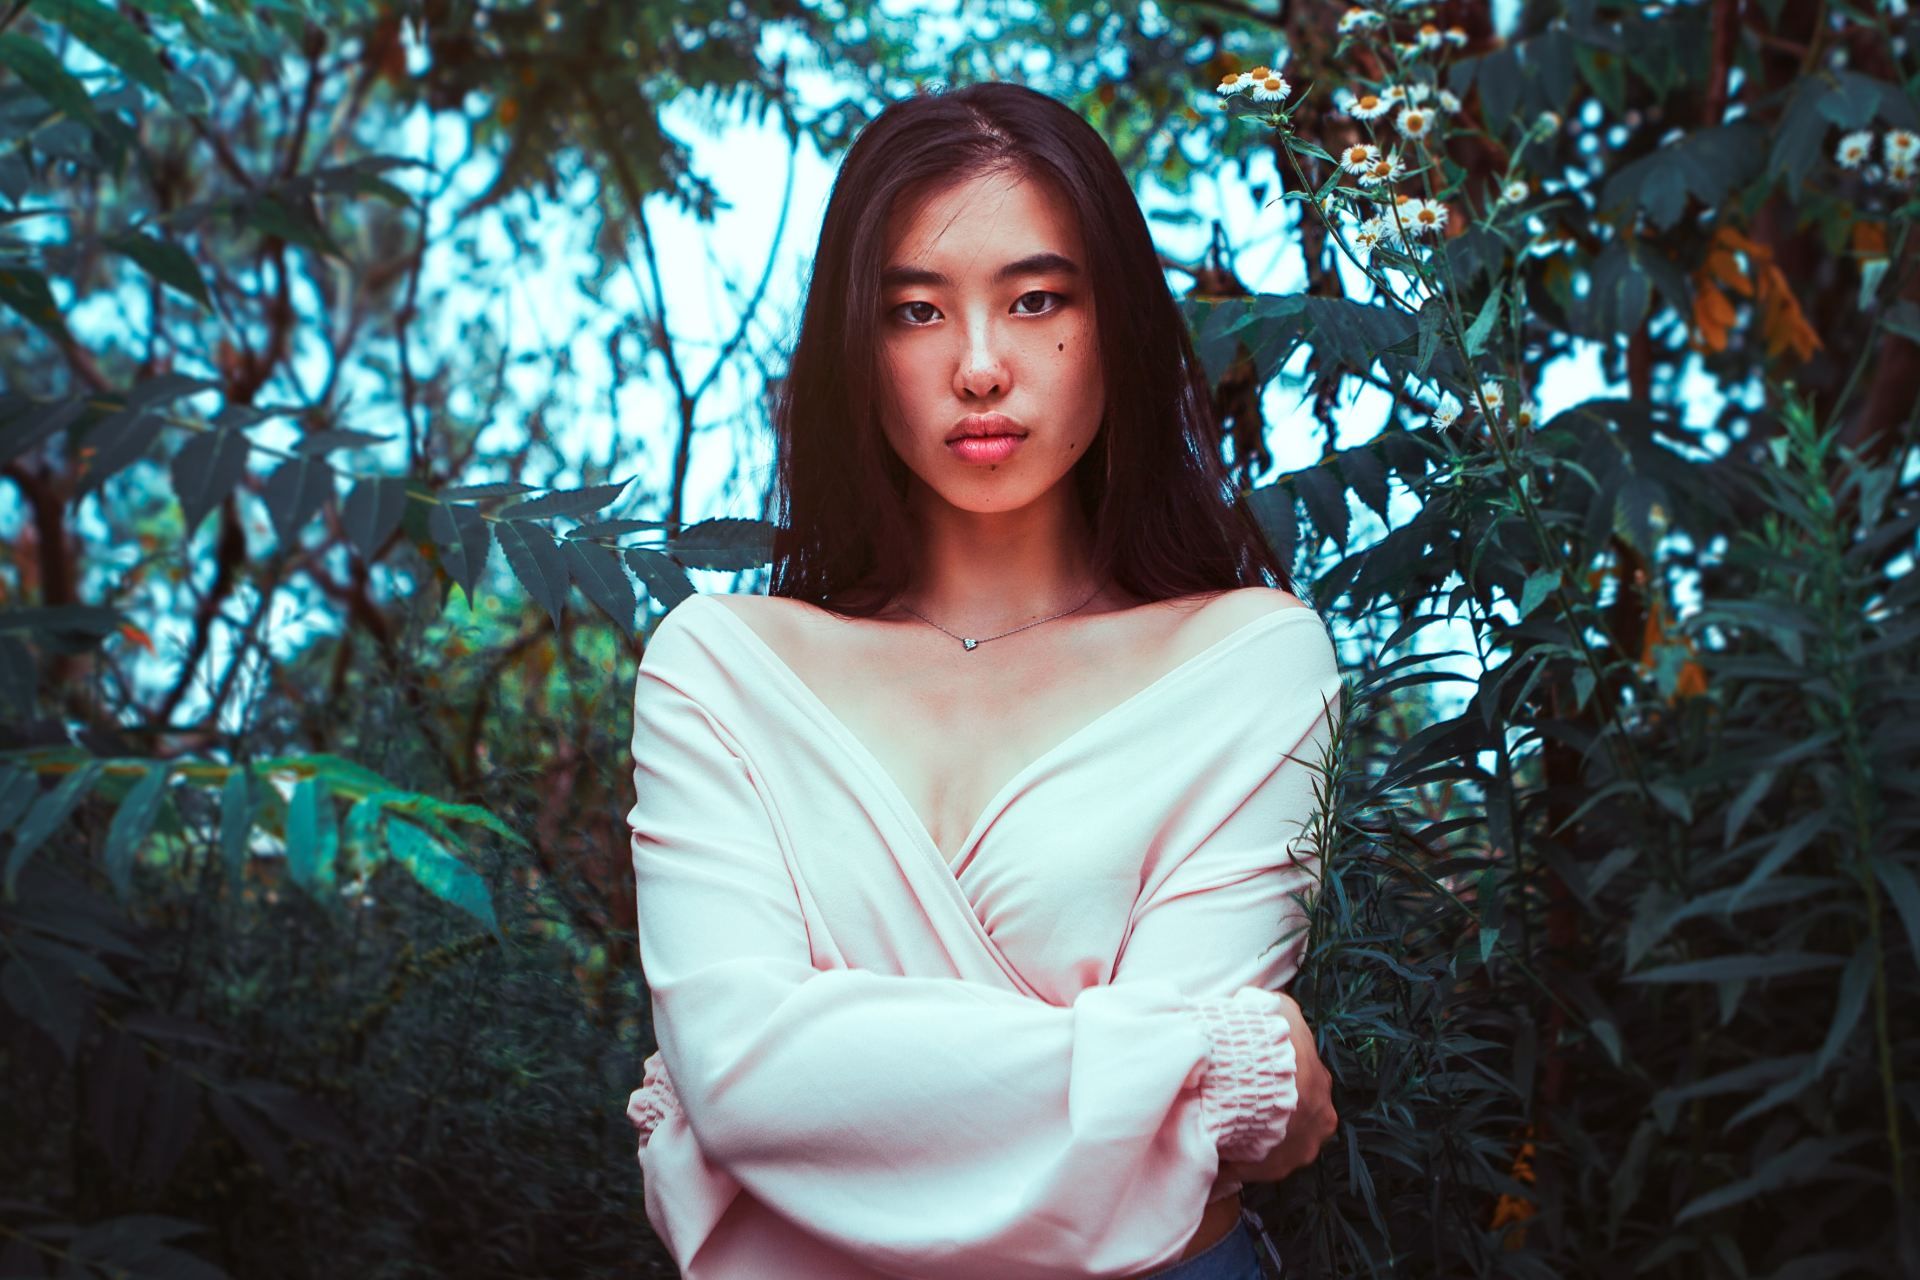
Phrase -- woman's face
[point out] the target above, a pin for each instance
(987, 308)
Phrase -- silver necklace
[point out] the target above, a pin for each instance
(971, 644)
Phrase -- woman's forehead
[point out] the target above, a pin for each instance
(981, 224)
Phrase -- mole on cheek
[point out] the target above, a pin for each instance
(1063, 346)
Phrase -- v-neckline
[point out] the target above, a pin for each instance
(883, 778)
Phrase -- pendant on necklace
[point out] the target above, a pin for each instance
(970, 643)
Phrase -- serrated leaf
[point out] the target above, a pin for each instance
(597, 569)
(537, 563)
(666, 582)
(321, 443)
(1366, 476)
(439, 872)
(727, 544)
(297, 489)
(1325, 494)
(461, 532)
(569, 502)
(131, 823)
(48, 812)
(477, 492)
(372, 512)
(205, 470)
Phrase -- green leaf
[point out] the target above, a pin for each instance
(1905, 894)
(597, 569)
(476, 492)
(26, 291)
(115, 443)
(205, 470)
(1539, 585)
(131, 822)
(1325, 494)
(1805, 1161)
(536, 561)
(570, 502)
(372, 512)
(439, 872)
(1482, 324)
(46, 815)
(297, 489)
(1728, 968)
(18, 787)
(303, 833)
(725, 544)
(103, 30)
(666, 582)
(25, 422)
(1796, 837)
(461, 532)
(165, 261)
(43, 73)
(236, 824)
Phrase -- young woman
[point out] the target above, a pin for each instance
(971, 860)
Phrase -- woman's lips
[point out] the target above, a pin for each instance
(985, 449)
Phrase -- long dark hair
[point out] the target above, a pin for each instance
(1165, 518)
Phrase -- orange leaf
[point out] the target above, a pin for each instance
(1726, 269)
(137, 636)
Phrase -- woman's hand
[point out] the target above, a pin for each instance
(1314, 1119)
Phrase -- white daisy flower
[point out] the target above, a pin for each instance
(1514, 192)
(1395, 93)
(1429, 36)
(1526, 416)
(1901, 146)
(1421, 217)
(1854, 149)
(1358, 19)
(1382, 227)
(1447, 412)
(1369, 106)
(1359, 157)
(1900, 173)
(1271, 89)
(1408, 52)
(1415, 122)
(1494, 395)
(1455, 35)
(1419, 91)
(1548, 123)
(1234, 84)
(1387, 168)
(1449, 102)
(1365, 238)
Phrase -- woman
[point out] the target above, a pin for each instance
(964, 899)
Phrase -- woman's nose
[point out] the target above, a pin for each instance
(982, 370)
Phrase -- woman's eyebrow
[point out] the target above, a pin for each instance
(1032, 265)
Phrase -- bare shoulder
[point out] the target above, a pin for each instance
(1229, 610)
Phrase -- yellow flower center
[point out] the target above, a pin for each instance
(1369, 103)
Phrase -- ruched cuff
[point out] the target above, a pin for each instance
(654, 1100)
(1248, 1094)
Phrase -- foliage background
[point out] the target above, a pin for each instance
(317, 920)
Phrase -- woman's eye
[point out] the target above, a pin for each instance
(918, 320)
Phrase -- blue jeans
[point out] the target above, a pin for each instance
(1231, 1257)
